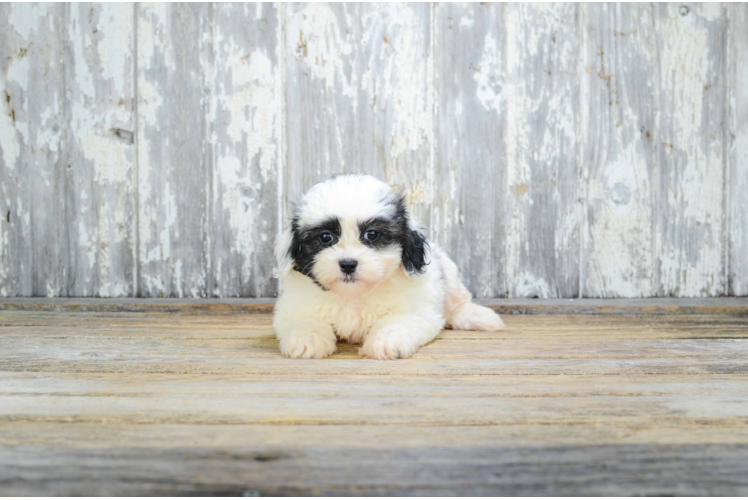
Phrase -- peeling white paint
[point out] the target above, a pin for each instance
(8, 139)
(618, 162)
(319, 43)
(411, 114)
(5, 267)
(489, 75)
(245, 106)
(100, 93)
(242, 209)
(711, 11)
(541, 90)
(24, 17)
(251, 104)
(116, 28)
(151, 30)
(85, 244)
(370, 68)
(531, 286)
(691, 267)
(18, 74)
(467, 21)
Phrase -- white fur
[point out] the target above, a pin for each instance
(389, 310)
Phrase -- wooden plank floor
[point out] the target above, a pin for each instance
(188, 402)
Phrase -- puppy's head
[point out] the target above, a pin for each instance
(350, 233)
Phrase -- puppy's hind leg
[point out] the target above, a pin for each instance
(460, 311)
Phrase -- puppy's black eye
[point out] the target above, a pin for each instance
(371, 235)
(325, 238)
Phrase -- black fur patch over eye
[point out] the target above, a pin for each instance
(379, 232)
(308, 242)
(398, 230)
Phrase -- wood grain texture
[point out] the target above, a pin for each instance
(734, 306)
(35, 173)
(541, 200)
(358, 97)
(471, 161)
(619, 153)
(332, 470)
(174, 157)
(128, 403)
(100, 88)
(737, 137)
(245, 118)
(689, 235)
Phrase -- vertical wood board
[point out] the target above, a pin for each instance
(618, 159)
(245, 118)
(737, 142)
(174, 157)
(99, 76)
(689, 234)
(471, 157)
(35, 174)
(541, 198)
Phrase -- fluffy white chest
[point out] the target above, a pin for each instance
(353, 320)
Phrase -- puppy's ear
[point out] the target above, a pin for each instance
(283, 255)
(415, 248)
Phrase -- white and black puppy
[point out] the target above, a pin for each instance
(355, 266)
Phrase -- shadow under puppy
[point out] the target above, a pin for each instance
(355, 266)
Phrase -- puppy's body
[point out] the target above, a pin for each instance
(355, 267)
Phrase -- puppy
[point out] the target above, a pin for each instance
(355, 266)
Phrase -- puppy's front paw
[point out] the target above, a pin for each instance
(310, 344)
(390, 342)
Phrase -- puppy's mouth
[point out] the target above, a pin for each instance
(349, 278)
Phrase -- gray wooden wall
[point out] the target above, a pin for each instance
(558, 150)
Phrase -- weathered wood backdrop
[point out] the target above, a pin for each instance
(556, 150)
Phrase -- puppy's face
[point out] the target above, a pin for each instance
(350, 233)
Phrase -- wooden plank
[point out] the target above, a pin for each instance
(255, 334)
(612, 470)
(718, 306)
(257, 337)
(137, 369)
(690, 235)
(156, 323)
(358, 97)
(737, 185)
(174, 157)
(471, 157)
(190, 306)
(541, 210)
(245, 121)
(99, 78)
(13, 273)
(619, 154)
(570, 345)
(124, 403)
(170, 436)
(35, 174)
(396, 400)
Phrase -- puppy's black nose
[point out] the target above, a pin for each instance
(348, 266)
